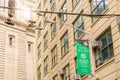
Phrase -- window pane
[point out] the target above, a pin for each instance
(105, 55)
(111, 51)
(106, 51)
(104, 41)
(109, 37)
(100, 8)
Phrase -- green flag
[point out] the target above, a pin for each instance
(83, 59)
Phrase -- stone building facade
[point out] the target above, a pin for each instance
(56, 52)
(17, 44)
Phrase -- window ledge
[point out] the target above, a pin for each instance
(104, 64)
(84, 77)
(93, 23)
(46, 74)
(54, 65)
(64, 54)
(73, 8)
(63, 23)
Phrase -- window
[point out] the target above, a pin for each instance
(11, 4)
(55, 77)
(45, 41)
(11, 40)
(66, 76)
(46, 65)
(39, 73)
(53, 29)
(2, 3)
(39, 31)
(79, 23)
(98, 6)
(45, 19)
(53, 5)
(45, 1)
(39, 51)
(29, 46)
(64, 10)
(39, 8)
(74, 2)
(64, 42)
(105, 51)
(54, 56)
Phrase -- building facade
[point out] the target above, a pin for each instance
(55, 48)
(17, 42)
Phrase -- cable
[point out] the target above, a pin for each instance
(38, 12)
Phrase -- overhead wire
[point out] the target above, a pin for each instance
(59, 12)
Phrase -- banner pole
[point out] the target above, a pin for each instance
(91, 58)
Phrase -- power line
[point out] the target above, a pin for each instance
(57, 12)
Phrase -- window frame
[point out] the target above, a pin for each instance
(54, 56)
(39, 72)
(79, 23)
(63, 17)
(39, 51)
(55, 77)
(74, 2)
(46, 65)
(53, 29)
(39, 32)
(46, 41)
(64, 43)
(100, 57)
(96, 8)
(66, 75)
(53, 5)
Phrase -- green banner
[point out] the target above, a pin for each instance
(83, 59)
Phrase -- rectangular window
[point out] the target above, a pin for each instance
(74, 2)
(2, 3)
(45, 19)
(53, 5)
(30, 46)
(46, 65)
(39, 51)
(45, 1)
(79, 23)
(54, 56)
(64, 42)
(45, 41)
(39, 32)
(66, 75)
(53, 29)
(11, 40)
(55, 77)
(64, 10)
(39, 8)
(11, 4)
(98, 6)
(39, 73)
(105, 50)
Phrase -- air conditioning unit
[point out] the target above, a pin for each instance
(62, 72)
(76, 77)
(94, 43)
